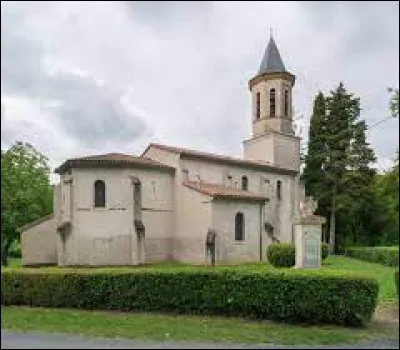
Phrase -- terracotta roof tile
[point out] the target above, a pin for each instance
(221, 191)
(221, 158)
(115, 159)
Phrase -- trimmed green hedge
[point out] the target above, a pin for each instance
(277, 296)
(281, 254)
(388, 256)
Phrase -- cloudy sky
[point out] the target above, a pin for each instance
(95, 77)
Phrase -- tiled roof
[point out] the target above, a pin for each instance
(222, 159)
(220, 191)
(112, 159)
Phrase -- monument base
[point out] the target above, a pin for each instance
(308, 234)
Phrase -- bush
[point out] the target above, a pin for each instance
(324, 251)
(388, 256)
(396, 279)
(292, 297)
(281, 254)
(15, 250)
(284, 254)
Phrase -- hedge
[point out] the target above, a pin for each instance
(276, 296)
(388, 256)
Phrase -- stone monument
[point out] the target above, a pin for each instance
(308, 234)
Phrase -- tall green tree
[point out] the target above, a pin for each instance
(314, 159)
(26, 193)
(338, 170)
(386, 192)
(357, 201)
(313, 175)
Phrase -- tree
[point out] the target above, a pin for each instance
(386, 192)
(313, 160)
(313, 174)
(394, 102)
(338, 172)
(26, 193)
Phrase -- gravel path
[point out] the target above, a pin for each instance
(36, 340)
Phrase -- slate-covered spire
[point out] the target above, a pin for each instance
(272, 61)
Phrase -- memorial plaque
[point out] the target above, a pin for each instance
(312, 250)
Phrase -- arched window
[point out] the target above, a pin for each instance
(99, 194)
(279, 189)
(286, 103)
(239, 227)
(245, 183)
(272, 102)
(258, 106)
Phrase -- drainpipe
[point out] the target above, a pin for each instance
(261, 229)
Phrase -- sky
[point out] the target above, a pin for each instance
(81, 78)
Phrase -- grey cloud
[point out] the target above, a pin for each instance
(167, 13)
(89, 113)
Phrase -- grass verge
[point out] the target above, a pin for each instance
(147, 326)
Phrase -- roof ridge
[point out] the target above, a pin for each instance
(217, 190)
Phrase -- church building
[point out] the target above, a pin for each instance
(119, 209)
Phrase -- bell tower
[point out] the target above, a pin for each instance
(273, 138)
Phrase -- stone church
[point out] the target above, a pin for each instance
(119, 209)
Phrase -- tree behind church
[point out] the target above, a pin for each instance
(26, 193)
(338, 170)
(313, 174)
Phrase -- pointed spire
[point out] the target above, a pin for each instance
(272, 61)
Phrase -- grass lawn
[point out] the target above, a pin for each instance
(147, 326)
(210, 329)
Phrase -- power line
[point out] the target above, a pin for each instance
(379, 122)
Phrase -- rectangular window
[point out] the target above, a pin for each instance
(279, 189)
(258, 106)
(272, 103)
(286, 103)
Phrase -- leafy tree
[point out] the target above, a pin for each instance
(386, 192)
(338, 172)
(26, 193)
(394, 102)
(313, 174)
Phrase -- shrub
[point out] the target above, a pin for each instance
(284, 254)
(396, 279)
(324, 251)
(281, 254)
(292, 297)
(15, 250)
(388, 256)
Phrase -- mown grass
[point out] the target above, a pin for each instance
(147, 326)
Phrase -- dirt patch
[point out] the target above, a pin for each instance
(385, 322)
(388, 314)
